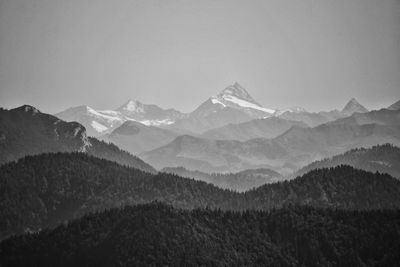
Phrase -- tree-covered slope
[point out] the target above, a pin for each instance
(44, 190)
(159, 235)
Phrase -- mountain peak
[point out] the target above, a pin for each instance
(132, 106)
(28, 108)
(238, 91)
(353, 106)
(395, 106)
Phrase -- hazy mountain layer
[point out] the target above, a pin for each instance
(259, 128)
(241, 181)
(286, 153)
(136, 137)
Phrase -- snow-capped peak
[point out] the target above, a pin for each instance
(236, 96)
(238, 91)
(132, 106)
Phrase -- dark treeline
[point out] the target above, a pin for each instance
(45, 190)
(159, 235)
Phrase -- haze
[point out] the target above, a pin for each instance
(314, 54)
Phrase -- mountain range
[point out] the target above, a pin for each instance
(232, 105)
(285, 153)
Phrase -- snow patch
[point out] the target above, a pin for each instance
(246, 104)
(97, 113)
(384, 163)
(86, 143)
(133, 106)
(216, 101)
(98, 126)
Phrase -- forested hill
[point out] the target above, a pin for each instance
(44, 190)
(159, 235)
(339, 187)
(382, 158)
(27, 131)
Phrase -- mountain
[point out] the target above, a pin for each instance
(352, 107)
(381, 158)
(149, 114)
(96, 122)
(136, 137)
(341, 187)
(45, 190)
(395, 106)
(210, 156)
(233, 105)
(159, 235)
(27, 131)
(100, 122)
(241, 181)
(313, 119)
(258, 128)
(286, 153)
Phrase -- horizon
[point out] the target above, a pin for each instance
(166, 108)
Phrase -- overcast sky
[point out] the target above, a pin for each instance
(316, 54)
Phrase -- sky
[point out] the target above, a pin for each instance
(316, 54)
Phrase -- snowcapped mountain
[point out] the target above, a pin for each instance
(237, 97)
(150, 115)
(96, 122)
(100, 122)
(232, 105)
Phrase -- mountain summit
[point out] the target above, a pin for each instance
(235, 96)
(232, 105)
(238, 91)
(353, 106)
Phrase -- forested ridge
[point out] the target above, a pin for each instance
(382, 158)
(159, 235)
(45, 190)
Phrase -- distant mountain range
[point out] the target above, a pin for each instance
(26, 131)
(136, 137)
(259, 128)
(286, 153)
(100, 122)
(232, 105)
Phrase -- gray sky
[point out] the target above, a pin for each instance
(317, 54)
